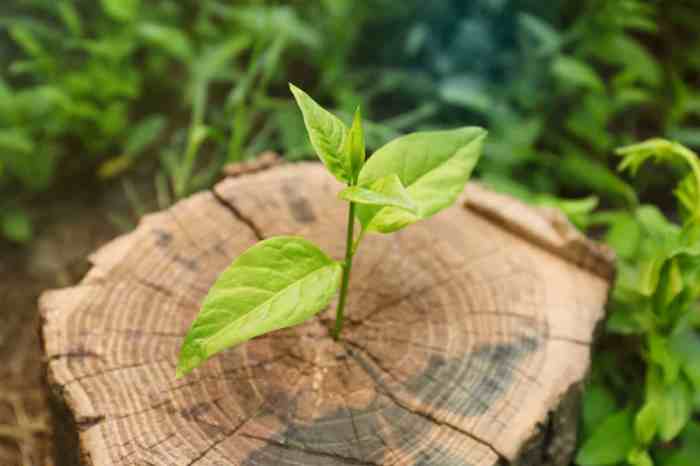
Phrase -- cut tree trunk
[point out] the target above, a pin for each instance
(466, 341)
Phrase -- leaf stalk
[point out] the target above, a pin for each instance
(350, 248)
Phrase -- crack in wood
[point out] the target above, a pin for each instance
(230, 205)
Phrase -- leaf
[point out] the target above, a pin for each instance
(24, 37)
(629, 321)
(144, 133)
(278, 283)
(624, 235)
(689, 452)
(577, 210)
(687, 195)
(645, 422)
(387, 191)
(115, 166)
(577, 73)
(433, 166)
(70, 17)
(548, 38)
(121, 10)
(598, 404)
(639, 457)
(676, 404)
(592, 174)
(16, 140)
(466, 91)
(354, 145)
(15, 225)
(610, 443)
(660, 354)
(327, 134)
(170, 39)
(685, 345)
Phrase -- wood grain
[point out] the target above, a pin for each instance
(467, 338)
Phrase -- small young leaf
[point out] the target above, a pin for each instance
(354, 145)
(327, 134)
(433, 166)
(600, 450)
(386, 191)
(278, 283)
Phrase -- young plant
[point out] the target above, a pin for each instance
(283, 281)
(655, 300)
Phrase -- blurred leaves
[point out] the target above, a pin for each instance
(92, 87)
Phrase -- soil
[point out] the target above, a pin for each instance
(67, 228)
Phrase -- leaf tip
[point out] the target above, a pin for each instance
(296, 91)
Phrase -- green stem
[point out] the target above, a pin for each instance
(347, 267)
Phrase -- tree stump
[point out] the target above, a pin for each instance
(466, 341)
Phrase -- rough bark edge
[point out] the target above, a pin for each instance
(544, 227)
(554, 442)
(264, 161)
(67, 446)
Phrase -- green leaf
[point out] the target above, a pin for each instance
(327, 134)
(687, 195)
(660, 354)
(70, 17)
(689, 452)
(639, 457)
(610, 443)
(577, 210)
(676, 404)
(630, 320)
(143, 133)
(586, 171)
(278, 283)
(170, 39)
(433, 166)
(624, 235)
(598, 404)
(387, 191)
(15, 225)
(577, 73)
(645, 422)
(354, 145)
(121, 10)
(685, 345)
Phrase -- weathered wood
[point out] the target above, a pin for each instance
(468, 336)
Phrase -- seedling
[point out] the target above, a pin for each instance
(283, 281)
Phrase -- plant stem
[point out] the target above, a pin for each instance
(347, 267)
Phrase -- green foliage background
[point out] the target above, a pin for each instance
(97, 89)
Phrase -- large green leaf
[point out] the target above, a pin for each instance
(278, 283)
(386, 191)
(610, 442)
(327, 134)
(434, 166)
